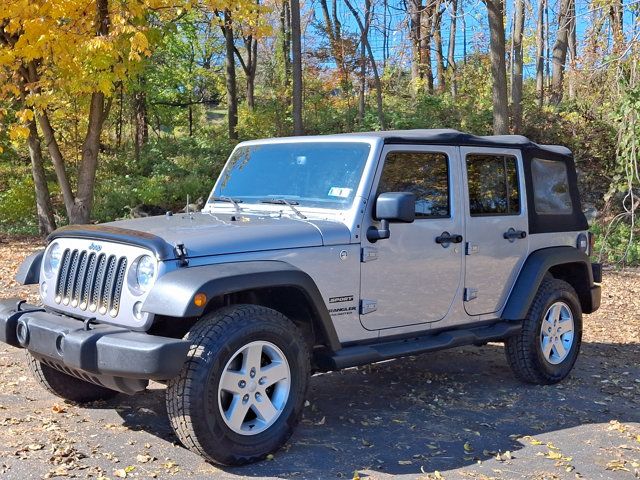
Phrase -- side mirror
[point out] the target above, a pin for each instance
(392, 207)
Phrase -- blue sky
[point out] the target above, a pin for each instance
(476, 25)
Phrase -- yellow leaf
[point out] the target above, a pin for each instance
(468, 447)
(18, 133)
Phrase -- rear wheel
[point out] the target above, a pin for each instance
(241, 390)
(66, 386)
(546, 349)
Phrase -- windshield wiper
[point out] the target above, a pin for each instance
(233, 201)
(282, 201)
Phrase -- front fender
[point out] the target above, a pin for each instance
(29, 269)
(173, 294)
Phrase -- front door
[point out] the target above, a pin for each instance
(409, 278)
(496, 226)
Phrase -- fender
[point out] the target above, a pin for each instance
(29, 270)
(533, 271)
(173, 293)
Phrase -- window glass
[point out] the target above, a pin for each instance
(311, 174)
(493, 185)
(550, 187)
(424, 174)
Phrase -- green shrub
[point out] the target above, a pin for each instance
(615, 245)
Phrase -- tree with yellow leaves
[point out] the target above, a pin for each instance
(56, 53)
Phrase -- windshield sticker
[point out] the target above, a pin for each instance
(340, 192)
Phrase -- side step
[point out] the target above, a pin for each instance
(377, 352)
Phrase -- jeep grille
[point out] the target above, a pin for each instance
(91, 281)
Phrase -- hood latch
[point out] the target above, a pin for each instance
(181, 254)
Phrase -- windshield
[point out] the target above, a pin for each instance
(309, 174)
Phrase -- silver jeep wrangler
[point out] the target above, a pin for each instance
(315, 254)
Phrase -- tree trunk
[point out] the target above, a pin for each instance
(296, 55)
(560, 53)
(120, 116)
(540, 53)
(573, 51)
(516, 87)
(252, 66)
(98, 111)
(140, 118)
(363, 83)
(333, 28)
(437, 40)
(495, 9)
(46, 220)
(616, 20)
(415, 7)
(230, 70)
(285, 29)
(451, 56)
(372, 59)
(426, 21)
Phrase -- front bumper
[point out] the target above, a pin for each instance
(110, 356)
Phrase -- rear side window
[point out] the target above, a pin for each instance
(425, 174)
(493, 185)
(550, 187)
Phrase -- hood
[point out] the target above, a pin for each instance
(206, 234)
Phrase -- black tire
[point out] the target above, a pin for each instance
(192, 397)
(524, 351)
(65, 386)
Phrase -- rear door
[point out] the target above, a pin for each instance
(496, 234)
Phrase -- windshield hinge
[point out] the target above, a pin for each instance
(181, 254)
(369, 254)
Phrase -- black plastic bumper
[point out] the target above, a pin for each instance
(103, 354)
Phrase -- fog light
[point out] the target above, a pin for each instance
(44, 288)
(200, 300)
(137, 310)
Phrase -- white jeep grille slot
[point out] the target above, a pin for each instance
(91, 281)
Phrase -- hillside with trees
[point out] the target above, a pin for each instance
(106, 106)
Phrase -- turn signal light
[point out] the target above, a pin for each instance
(200, 300)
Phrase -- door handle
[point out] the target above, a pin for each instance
(512, 234)
(446, 238)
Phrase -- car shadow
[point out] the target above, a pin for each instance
(439, 411)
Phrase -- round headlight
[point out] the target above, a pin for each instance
(142, 275)
(53, 259)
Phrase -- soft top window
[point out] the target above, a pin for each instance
(551, 187)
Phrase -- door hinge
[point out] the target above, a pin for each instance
(368, 306)
(470, 294)
(369, 254)
(471, 248)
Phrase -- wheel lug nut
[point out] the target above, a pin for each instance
(262, 381)
(245, 399)
(242, 384)
(258, 396)
(252, 373)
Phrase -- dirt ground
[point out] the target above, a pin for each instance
(456, 414)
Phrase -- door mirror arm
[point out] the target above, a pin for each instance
(374, 234)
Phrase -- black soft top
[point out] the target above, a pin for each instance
(447, 136)
(574, 221)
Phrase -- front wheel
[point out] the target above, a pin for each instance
(241, 390)
(547, 347)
